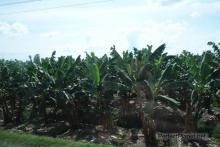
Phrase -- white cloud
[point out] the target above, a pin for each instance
(126, 26)
(13, 29)
(167, 2)
(51, 34)
(171, 2)
(134, 35)
(183, 6)
(155, 32)
(195, 14)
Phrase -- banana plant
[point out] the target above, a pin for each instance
(13, 77)
(98, 70)
(138, 74)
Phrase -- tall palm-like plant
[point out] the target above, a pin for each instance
(98, 71)
(13, 77)
(134, 72)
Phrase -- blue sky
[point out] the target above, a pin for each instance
(181, 24)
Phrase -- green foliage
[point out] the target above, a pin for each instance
(206, 126)
(216, 131)
(44, 89)
(10, 139)
(169, 100)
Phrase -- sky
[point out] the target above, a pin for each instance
(79, 26)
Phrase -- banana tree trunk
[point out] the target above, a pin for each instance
(148, 125)
(189, 122)
(107, 120)
(149, 131)
(72, 114)
(19, 111)
(106, 117)
(6, 113)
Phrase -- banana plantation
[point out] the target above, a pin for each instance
(114, 99)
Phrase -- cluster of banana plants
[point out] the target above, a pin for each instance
(76, 89)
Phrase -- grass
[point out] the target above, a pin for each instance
(14, 139)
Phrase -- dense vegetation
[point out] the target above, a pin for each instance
(106, 90)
